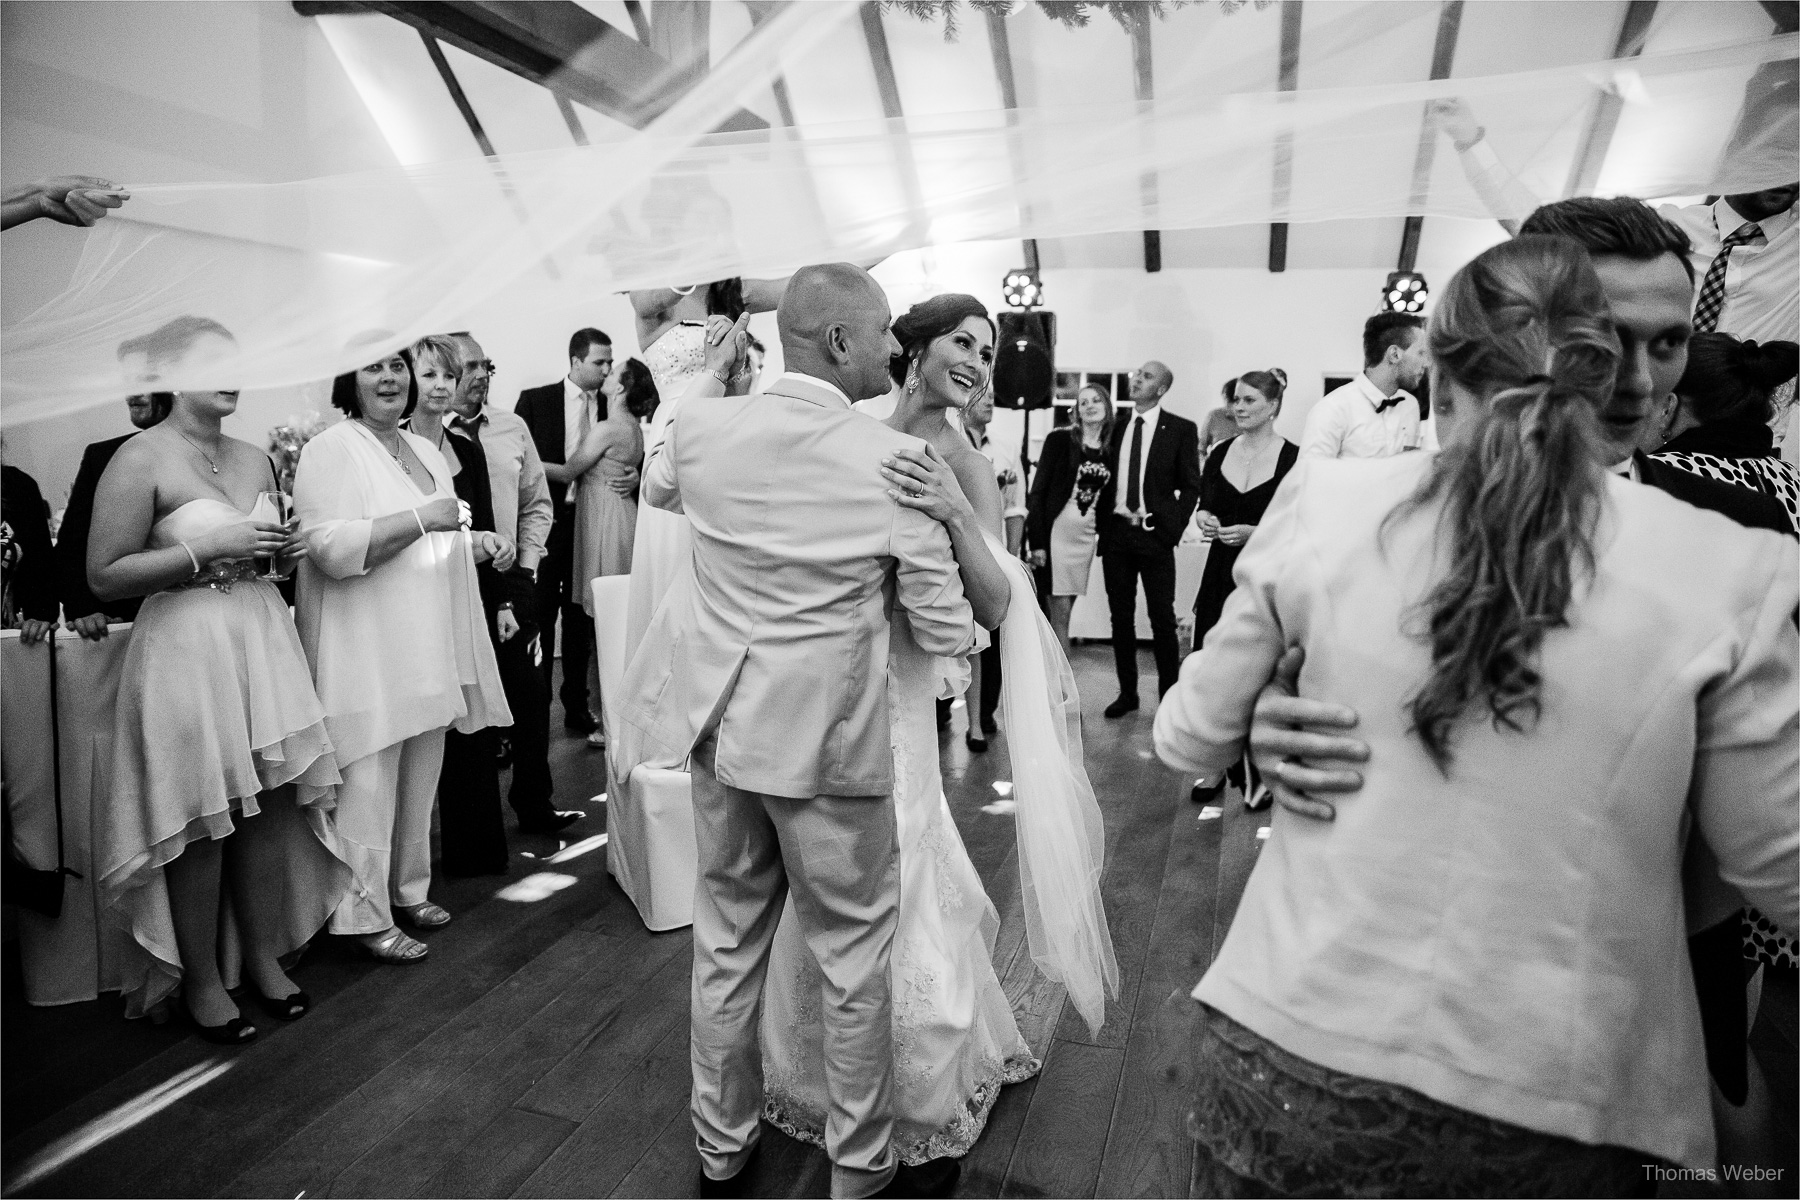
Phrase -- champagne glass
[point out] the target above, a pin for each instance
(271, 508)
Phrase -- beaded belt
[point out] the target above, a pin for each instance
(220, 576)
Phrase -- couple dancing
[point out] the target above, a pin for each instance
(843, 571)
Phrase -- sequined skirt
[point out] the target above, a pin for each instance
(1268, 1123)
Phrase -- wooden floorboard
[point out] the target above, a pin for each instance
(1148, 1151)
(542, 1050)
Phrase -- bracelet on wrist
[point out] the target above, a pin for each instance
(420, 520)
(192, 557)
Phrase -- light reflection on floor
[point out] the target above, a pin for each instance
(66, 1149)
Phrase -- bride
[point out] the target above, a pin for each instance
(956, 1042)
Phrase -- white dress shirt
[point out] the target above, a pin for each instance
(1347, 423)
(1762, 298)
(573, 399)
(522, 509)
(1007, 475)
(1121, 464)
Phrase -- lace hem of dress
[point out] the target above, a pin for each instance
(952, 1140)
(1303, 1129)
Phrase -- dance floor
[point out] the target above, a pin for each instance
(542, 1049)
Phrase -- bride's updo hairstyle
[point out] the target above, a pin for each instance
(1525, 329)
(929, 320)
(1729, 380)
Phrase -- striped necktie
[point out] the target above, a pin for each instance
(1712, 288)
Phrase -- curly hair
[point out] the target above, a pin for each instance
(929, 320)
(1525, 328)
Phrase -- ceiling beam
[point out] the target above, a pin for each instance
(555, 43)
(1443, 57)
(1001, 48)
(1284, 144)
(1584, 172)
(640, 24)
(882, 60)
(1144, 81)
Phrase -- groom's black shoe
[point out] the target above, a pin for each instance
(934, 1178)
(727, 1189)
(1204, 794)
(1121, 706)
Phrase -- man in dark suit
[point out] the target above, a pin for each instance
(85, 613)
(559, 415)
(1155, 457)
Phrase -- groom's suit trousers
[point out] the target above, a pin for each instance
(839, 856)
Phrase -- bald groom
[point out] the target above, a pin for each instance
(775, 663)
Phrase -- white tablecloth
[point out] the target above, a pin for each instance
(1092, 619)
(69, 958)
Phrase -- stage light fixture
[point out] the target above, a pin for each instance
(1022, 288)
(1405, 292)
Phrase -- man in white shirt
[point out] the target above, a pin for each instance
(522, 512)
(1011, 480)
(1375, 415)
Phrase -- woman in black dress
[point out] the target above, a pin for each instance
(1236, 485)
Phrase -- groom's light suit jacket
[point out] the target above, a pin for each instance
(778, 648)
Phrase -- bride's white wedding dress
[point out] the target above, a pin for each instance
(956, 1042)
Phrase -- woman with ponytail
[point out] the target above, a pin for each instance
(1465, 984)
(1716, 424)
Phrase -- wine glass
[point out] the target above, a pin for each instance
(271, 508)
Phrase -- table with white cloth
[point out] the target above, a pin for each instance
(72, 957)
(1091, 618)
(650, 847)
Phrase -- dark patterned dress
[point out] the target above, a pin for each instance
(1742, 453)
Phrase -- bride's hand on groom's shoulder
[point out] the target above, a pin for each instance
(922, 480)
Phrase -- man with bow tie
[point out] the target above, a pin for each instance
(1374, 415)
(559, 415)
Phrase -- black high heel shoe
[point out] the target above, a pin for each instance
(287, 1008)
(975, 742)
(235, 1032)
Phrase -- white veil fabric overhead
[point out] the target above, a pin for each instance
(305, 272)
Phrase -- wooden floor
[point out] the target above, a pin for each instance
(541, 1050)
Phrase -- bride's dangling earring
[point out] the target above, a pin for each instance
(912, 378)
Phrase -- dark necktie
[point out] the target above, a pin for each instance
(1712, 288)
(1133, 473)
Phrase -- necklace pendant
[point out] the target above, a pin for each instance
(215, 470)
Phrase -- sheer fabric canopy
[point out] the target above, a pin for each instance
(317, 276)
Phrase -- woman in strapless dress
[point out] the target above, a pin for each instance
(222, 772)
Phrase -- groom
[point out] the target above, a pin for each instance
(769, 674)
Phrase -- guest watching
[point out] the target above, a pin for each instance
(82, 610)
(1716, 422)
(1642, 261)
(606, 521)
(984, 683)
(1236, 485)
(1527, 765)
(1375, 414)
(523, 515)
(222, 768)
(559, 416)
(391, 617)
(28, 592)
(1144, 509)
(1073, 470)
(471, 829)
